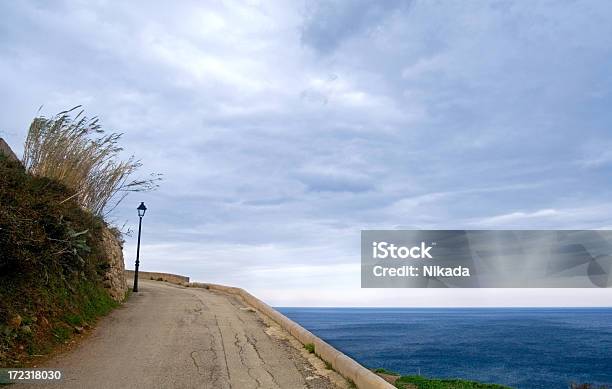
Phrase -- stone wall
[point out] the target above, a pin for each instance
(168, 277)
(114, 279)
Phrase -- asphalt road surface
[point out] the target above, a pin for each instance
(166, 336)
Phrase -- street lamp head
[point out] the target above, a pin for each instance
(141, 209)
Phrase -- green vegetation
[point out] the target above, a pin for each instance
(385, 371)
(51, 265)
(420, 382)
(310, 347)
(410, 382)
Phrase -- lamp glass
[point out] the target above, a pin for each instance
(141, 209)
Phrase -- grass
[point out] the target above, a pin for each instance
(409, 382)
(55, 324)
(385, 371)
(62, 332)
(310, 347)
(94, 303)
(76, 152)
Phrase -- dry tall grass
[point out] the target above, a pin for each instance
(77, 152)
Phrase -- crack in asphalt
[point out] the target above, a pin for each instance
(229, 376)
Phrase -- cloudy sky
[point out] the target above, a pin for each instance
(283, 129)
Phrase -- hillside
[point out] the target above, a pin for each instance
(55, 260)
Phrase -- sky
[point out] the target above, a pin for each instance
(283, 129)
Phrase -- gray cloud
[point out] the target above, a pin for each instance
(329, 22)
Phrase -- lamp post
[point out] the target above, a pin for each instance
(141, 212)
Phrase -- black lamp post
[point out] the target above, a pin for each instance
(141, 212)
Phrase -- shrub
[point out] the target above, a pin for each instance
(41, 231)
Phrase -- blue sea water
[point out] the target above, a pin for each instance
(525, 348)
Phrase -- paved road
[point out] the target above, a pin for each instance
(167, 336)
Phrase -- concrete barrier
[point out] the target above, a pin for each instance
(346, 366)
(168, 277)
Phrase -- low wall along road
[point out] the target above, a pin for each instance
(149, 275)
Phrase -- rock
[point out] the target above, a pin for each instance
(78, 329)
(15, 321)
(114, 278)
(7, 151)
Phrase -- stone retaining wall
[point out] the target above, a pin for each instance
(114, 277)
(347, 367)
(149, 275)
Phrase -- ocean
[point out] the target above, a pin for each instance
(524, 348)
